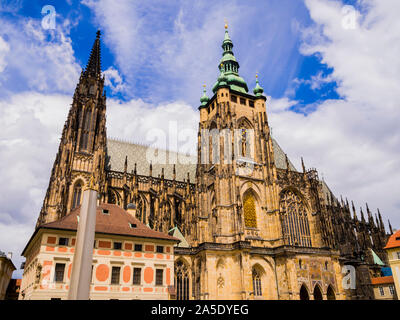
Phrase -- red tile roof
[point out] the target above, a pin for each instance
(117, 222)
(382, 280)
(394, 240)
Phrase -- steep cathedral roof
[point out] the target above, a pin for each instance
(141, 155)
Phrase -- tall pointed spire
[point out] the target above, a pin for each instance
(390, 227)
(93, 67)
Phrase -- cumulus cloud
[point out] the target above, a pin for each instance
(32, 58)
(170, 52)
(354, 141)
(114, 80)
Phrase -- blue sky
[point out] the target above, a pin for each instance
(330, 73)
(267, 41)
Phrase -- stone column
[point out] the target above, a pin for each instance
(79, 288)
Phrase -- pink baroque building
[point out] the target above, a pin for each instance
(130, 260)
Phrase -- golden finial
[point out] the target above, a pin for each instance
(257, 75)
(204, 86)
(226, 23)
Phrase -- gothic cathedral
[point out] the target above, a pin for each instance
(251, 225)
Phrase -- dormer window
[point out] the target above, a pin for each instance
(106, 211)
(133, 225)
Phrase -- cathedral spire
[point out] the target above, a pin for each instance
(229, 67)
(93, 67)
(390, 227)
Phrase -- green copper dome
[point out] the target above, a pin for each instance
(204, 99)
(229, 69)
(258, 90)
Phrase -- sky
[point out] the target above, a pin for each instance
(329, 68)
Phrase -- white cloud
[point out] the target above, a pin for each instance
(172, 124)
(114, 80)
(32, 58)
(4, 49)
(354, 142)
(169, 52)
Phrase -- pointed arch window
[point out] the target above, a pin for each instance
(140, 209)
(295, 226)
(178, 211)
(182, 281)
(257, 289)
(245, 140)
(87, 120)
(249, 209)
(76, 199)
(152, 211)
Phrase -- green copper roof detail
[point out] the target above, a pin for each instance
(258, 90)
(377, 260)
(204, 99)
(229, 68)
(175, 232)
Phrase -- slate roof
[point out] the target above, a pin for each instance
(142, 155)
(280, 158)
(117, 221)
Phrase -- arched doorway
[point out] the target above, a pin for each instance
(317, 293)
(304, 293)
(330, 294)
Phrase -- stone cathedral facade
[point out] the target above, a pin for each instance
(251, 225)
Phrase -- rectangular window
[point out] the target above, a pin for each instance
(117, 245)
(391, 289)
(159, 277)
(251, 103)
(115, 271)
(398, 255)
(59, 272)
(243, 101)
(137, 276)
(63, 241)
(160, 249)
(138, 247)
(382, 291)
(233, 98)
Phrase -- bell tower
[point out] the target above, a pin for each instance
(236, 171)
(82, 150)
